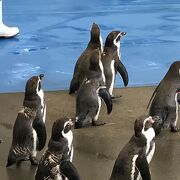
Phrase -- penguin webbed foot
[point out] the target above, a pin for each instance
(98, 123)
(175, 129)
(34, 160)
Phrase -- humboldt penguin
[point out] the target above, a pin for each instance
(88, 99)
(111, 60)
(164, 101)
(29, 132)
(56, 162)
(133, 161)
(82, 65)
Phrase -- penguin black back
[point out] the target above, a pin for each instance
(82, 65)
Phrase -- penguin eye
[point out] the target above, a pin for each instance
(39, 86)
(147, 125)
(67, 128)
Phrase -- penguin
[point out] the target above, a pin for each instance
(133, 161)
(34, 98)
(56, 162)
(92, 90)
(82, 64)
(164, 100)
(29, 131)
(111, 60)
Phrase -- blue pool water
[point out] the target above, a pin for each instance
(54, 33)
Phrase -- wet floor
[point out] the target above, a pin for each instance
(53, 35)
(96, 148)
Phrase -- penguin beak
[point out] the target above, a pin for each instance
(151, 120)
(41, 76)
(122, 34)
(71, 122)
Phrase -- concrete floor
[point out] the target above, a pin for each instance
(96, 148)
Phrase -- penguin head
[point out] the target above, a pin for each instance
(143, 127)
(174, 71)
(33, 85)
(113, 39)
(96, 36)
(62, 129)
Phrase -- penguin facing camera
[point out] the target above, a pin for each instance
(29, 131)
(82, 65)
(56, 162)
(111, 60)
(133, 160)
(164, 101)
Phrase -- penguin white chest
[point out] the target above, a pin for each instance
(102, 71)
(133, 169)
(69, 137)
(113, 77)
(43, 105)
(99, 106)
(34, 142)
(177, 110)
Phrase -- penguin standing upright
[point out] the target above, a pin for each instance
(56, 162)
(111, 60)
(34, 98)
(133, 161)
(29, 132)
(165, 100)
(82, 65)
(88, 99)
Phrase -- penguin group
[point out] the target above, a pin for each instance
(93, 81)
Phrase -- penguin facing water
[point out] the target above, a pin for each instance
(133, 161)
(165, 100)
(82, 65)
(111, 60)
(88, 99)
(56, 162)
(29, 132)
(34, 98)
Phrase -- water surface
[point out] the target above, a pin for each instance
(54, 33)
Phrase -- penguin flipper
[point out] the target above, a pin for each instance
(40, 129)
(74, 86)
(122, 71)
(104, 94)
(143, 168)
(69, 170)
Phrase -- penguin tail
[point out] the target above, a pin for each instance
(10, 161)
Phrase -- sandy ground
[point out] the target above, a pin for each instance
(96, 148)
